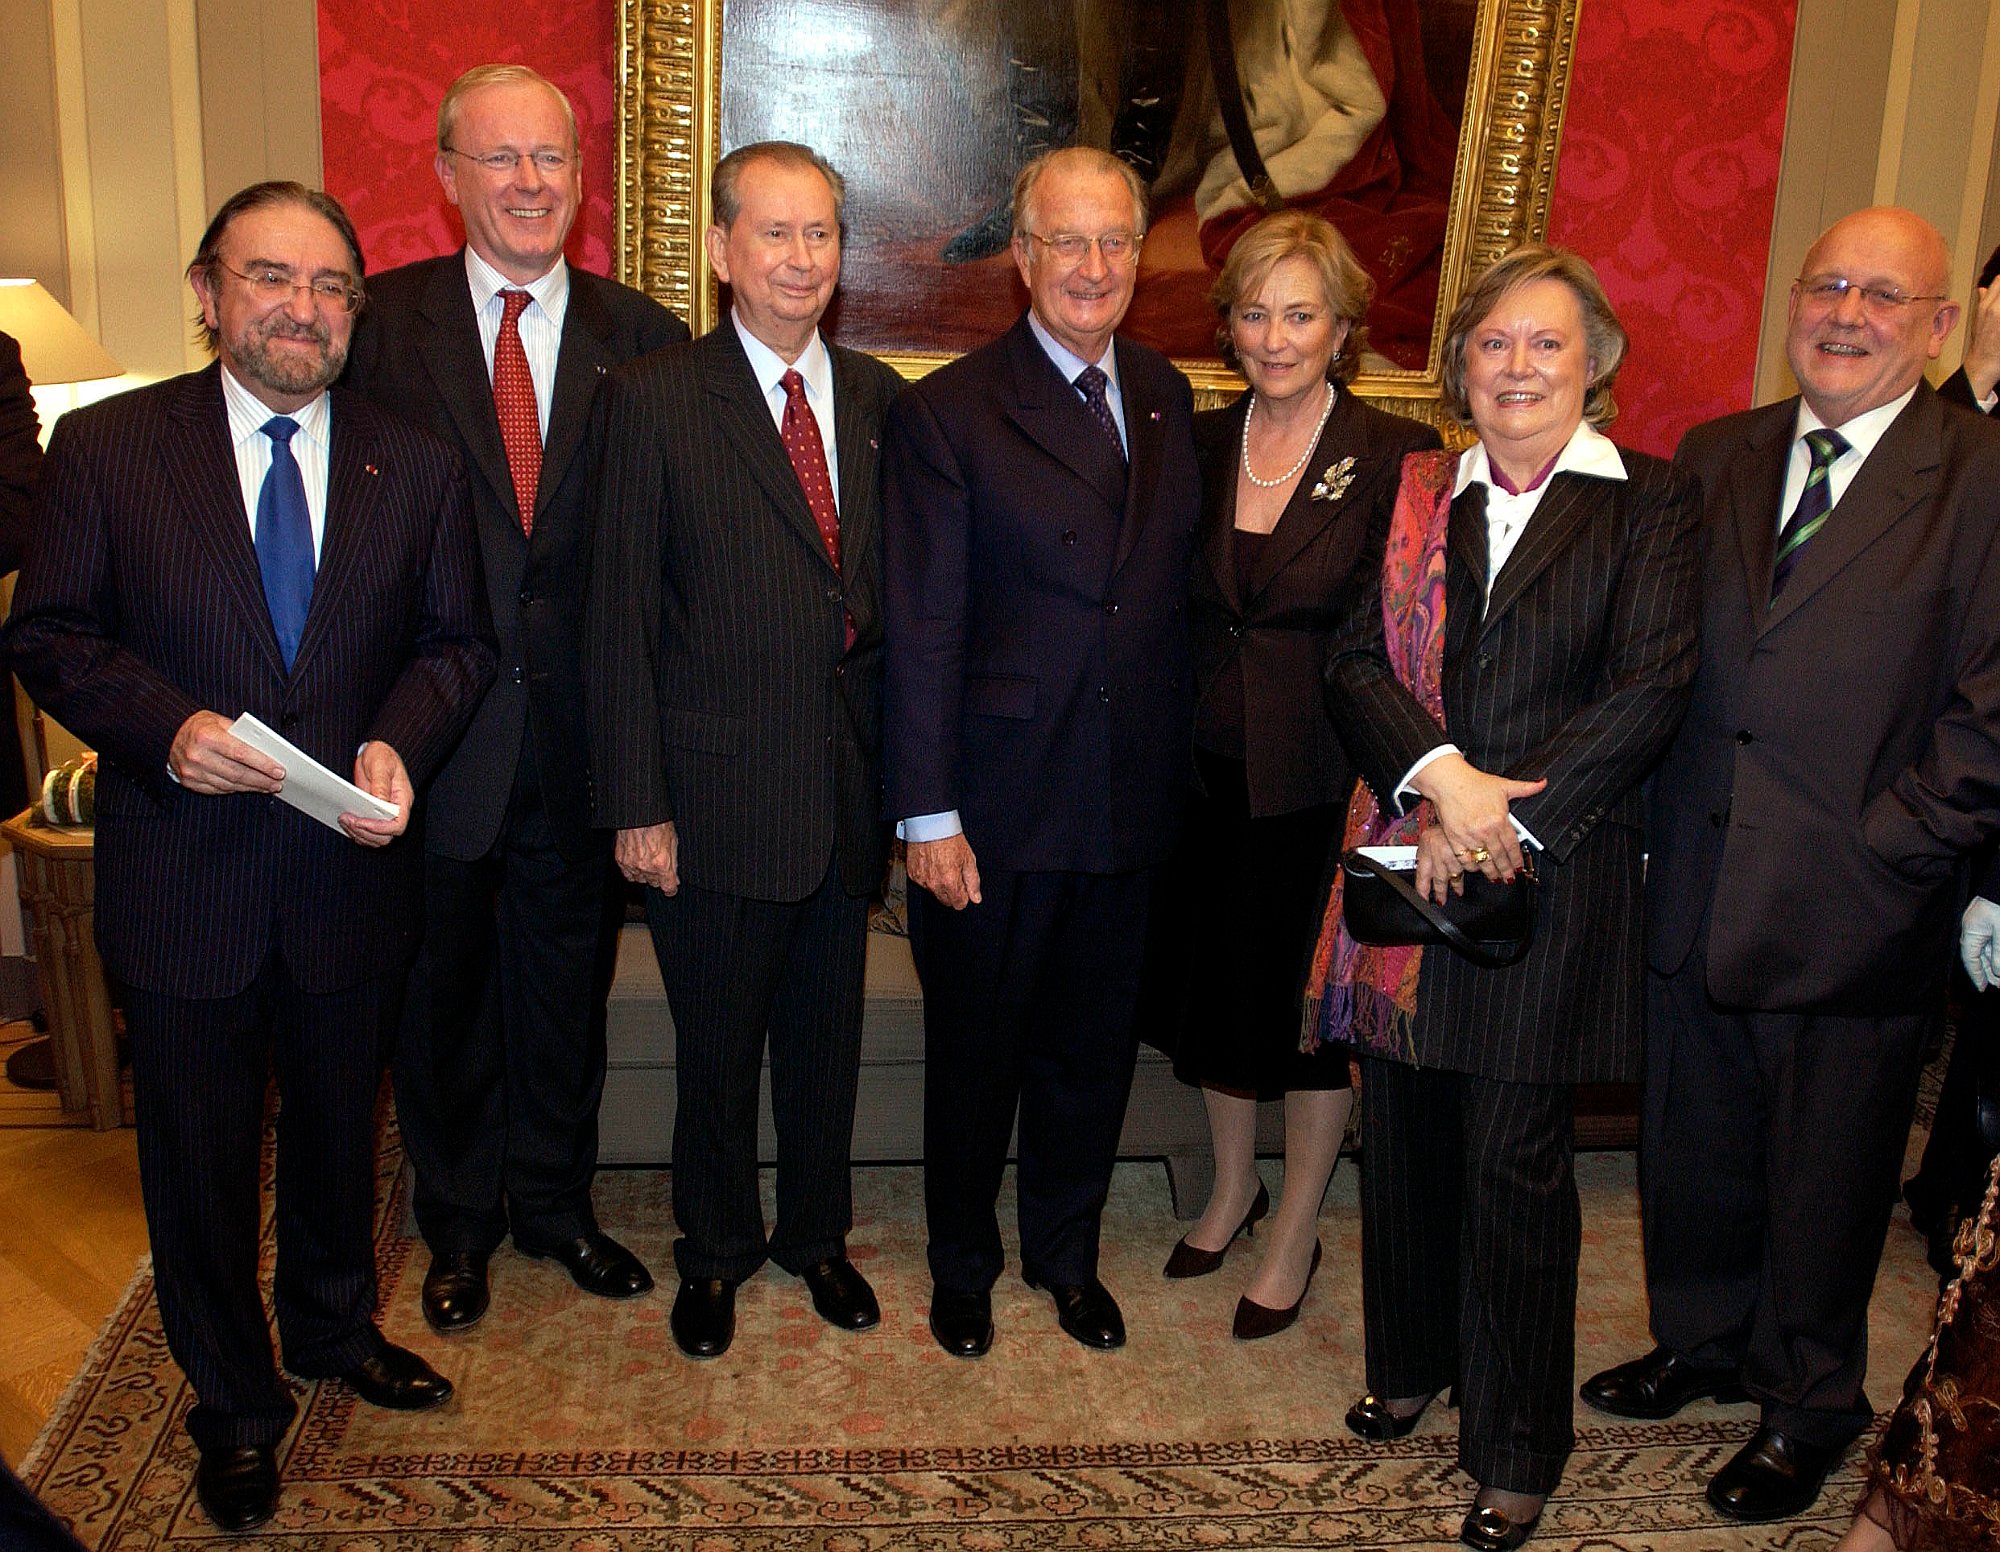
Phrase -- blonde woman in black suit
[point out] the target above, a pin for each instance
(1297, 480)
(1566, 568)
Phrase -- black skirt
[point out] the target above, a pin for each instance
(1234, 923)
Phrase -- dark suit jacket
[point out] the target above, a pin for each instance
(721, 694)
(20, 456)
(416, 351)
(1039, 680)
(142, 604)
(1958, 389)
(1842, 751)
(1319, 555)
(1578, 672)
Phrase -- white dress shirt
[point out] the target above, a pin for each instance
(541, 322)
(816, 367)
(1861, 434)
(312, 443)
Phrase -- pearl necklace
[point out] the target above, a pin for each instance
(1292, 473)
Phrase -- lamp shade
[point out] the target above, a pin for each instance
(54, 346)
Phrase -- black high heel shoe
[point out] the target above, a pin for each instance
(1187, 1261)
(1254, 1320)
(1370, 1418)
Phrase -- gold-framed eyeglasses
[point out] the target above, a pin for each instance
(1074, 247)
(275, 285)
(502, 163)
(1880, 301)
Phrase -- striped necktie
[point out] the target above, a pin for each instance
(1815, 502)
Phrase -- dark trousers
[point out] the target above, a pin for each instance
(1028, 1007)
(198, 1079)
(1470, 1231)
(500, 1059)
(735, 969)
(1769, 1152)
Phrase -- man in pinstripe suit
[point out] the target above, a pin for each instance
(1839, 760)
(733, 666)
(244, 539)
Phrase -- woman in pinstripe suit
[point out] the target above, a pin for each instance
(1525, 719)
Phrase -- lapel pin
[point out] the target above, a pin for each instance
(1334, 482)
(371, 468)
(875, 445)
(1155, 415)
(600, 369)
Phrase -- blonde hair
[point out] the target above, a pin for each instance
(1347, 287)
(481, 76)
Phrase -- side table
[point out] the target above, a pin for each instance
(58, 889)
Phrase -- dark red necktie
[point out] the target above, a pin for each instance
(514, 398)
(808, 455)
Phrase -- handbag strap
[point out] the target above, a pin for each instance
(1448, 929)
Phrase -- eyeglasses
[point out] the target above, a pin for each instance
(1074, 247)
(275, 285)
(1879, 301)
(502, 163)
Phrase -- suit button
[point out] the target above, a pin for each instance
(1743, 736)
(527, 595)
(289, 720)
(1104, 692)
(517, 673)
(1236, 628)
(1486, 660)
(833, 595)
(1069, 536)
(1111, 608)
(840, 670)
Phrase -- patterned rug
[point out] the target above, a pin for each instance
(579, 1428)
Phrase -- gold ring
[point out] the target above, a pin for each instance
(1478, 854)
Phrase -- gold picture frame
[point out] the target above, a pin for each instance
(670, 79)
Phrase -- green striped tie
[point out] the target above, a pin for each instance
(1815, 502)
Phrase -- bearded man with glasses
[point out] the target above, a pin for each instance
(1811, 828)
(1040, 500)
(249, 539)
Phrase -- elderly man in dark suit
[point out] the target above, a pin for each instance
(734, 679)
(1040, 502)
(1809, 838)
(242, 539)
(499, 349)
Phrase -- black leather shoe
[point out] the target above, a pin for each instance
(455, 1295)
(1187, 1260)
(704, 1316)
(238, 1486)
(597, 1264)
(1773, 1477)
(1087, 1312)
(1254, 1320)
(1658, 1385)
(842, 1295)
(1370, 1418)
(962, 1321)
(1489, 1530)
(398, 1379)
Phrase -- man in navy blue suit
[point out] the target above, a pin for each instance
(246, 539)
(1040, 501)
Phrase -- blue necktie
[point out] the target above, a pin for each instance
(285, 539)
(1092, 383)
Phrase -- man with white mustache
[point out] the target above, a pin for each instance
(1811, 826)
(499, 349)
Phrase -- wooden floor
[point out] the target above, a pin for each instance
(71, 1232)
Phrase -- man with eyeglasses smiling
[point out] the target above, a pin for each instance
(1040, 498)
(1810, 834)
(499, 349)
(249, 539)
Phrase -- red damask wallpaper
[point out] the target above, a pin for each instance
(1667, 179)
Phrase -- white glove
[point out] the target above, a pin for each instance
(1979, 942)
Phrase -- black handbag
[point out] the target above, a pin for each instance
(1492, 924)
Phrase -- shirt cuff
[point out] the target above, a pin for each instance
(1525, 833)
(1986, 404)
(1403, 787)
(930, 827)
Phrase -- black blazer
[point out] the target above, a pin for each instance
(1039, 680)
(1578, 671)
(719, 689)
(20, 456)
(416, 351)
(142, 604)
(1958, 389)
(1320, 553)
(1842, 752)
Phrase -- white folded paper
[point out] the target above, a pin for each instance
(309, 786)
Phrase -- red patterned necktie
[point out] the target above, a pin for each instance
(514, 398)
(808, 455)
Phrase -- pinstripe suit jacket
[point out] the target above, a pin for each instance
(1842, 752)
(1039, 680)
(142, 604)
(1578, 671)
(417, 352)
(720, 693)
